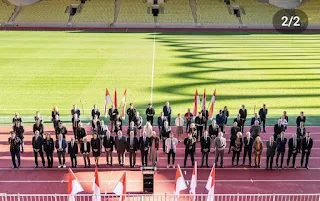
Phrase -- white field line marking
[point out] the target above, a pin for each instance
(152, 71)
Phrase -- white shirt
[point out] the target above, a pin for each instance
(179, 121)
(60, 144)
(284, 122)
(168, 144)
(85, 146)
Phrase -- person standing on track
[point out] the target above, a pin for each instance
(239, 122)
(14, 143)
(131, 112)
(75, 124)
(150, 112)
(190, 148)
(213, 130)
(144, 143)
(95, 112)
(108, 143)
(226, 114)
(20, 133)
(48, 147)
(200, 121)
(171, 148)
(271, 151)
(243, 117)
(237, 148)
(15, 120)
(138, 121)
(254, 119)
(205, 148)
(179, 122)
(117, 124)
(281, 148)
(38, 126)
(113, 112)
(132, 147)
(188, 116)
(165, 132)
(221, 119)
(132, 128)
(278, 129)
(120, 146)
(205, 114)
(61, 146)
(301, 118)
(233, 134)
(73, 151)
(301, 133)
(248, 143)
(37, 145)
(154, 147)
(161, 120)
(167, 112)
(293, 145)
(55, 114)
(96, 148)
(61, 129)
(257, 147)
(255, 129)
(263, 116)
(85, 151)
(307, 144)
(220, 145)
(284, 122)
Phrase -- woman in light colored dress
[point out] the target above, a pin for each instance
(154, 147)
(148, 129)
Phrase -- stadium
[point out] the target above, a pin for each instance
(146, 100)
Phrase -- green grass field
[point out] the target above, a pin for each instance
(42, 69)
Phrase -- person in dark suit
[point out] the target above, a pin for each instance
(15, 120)
(205, 114)
(73, 151)
(48, 147)
(233, 134)
(220, 120)
(56, 120)
(75, 110)
(271, 151)
(205, 148)
(213, 130)
(263, 116)
(281, 148)
(96, 148)
(85, 151)
(95, 111)
(161, 120)
(118, 124)
(243, 116)
(95, 125)
(301, 118)
(108, 143)
(293, 150)
(248, 143)
(167, 112)
(61, 146)
(113, 112)
(19, 130)
(138, 121)
(14, 143)
(75, 124)
(188, 116)
(150, 113)
(236, 148)
(255, 118)
(190, 145)
(278, 129)
(144, 143)
(37, 145)
(165, 132)
(301, 133)
(81, 133)
(239, 122)
(225, 111)
(200, 120)
(120, 146)
(61, 129)
(307, 144)
(255, 129)
(132, 147)
(131, 112)
(38, 126)
(55, 114)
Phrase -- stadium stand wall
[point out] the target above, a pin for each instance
(6, 11)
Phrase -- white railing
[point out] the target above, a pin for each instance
(163, 197)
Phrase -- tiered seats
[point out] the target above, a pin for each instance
(5, 12)
(96, 11)
(176, 11)
(311, 8)
(45, 11)
(134, 11)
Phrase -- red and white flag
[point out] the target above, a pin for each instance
(213, 100)
(196, 103)
(107, 101)
(204, 101)
(210, 184)
(179, 185)
(124, 103)
(120, 188)
(193, 183)
(115, 99)
(74, 187)
(96, 187)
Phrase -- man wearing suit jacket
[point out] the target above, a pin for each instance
(307, 144)
(278, 128)
(254, 119)
(190, 148)
(132, 147)
(61, 146)
(61, 129)
(108, 143)
(95, 112)
(74, 111)
(161, 120)
(144, 143)
(271, 151)
(120, 146)
(220, 145)
(281, 148)
(171, 149)
(301, 118)
(263, 116)
(113, 112)
(150, 113)
(132, 128)
(220, 120)
(293, 150)
(37, 145)
(248, 143)
(205, 148)
(167, 112)
(38, 126)
(73, 151)
(85, 151)
(243, 116)
(239, 122)
(131, 112)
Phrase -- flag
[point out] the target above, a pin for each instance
(193, 183)
(115, 99)
(204, 100)
(96, 187)
(120, 188)
(124, 103)
(210, 184)
(74, 186)
(196, 102)
(107, 101)
(213, 100)
(179, 185)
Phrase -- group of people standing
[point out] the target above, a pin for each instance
(144, 138)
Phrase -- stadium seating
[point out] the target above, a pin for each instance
(45, 11)
(96, 11)
(176, 11)
(134, 11)
(5, 12)
(311, 8)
